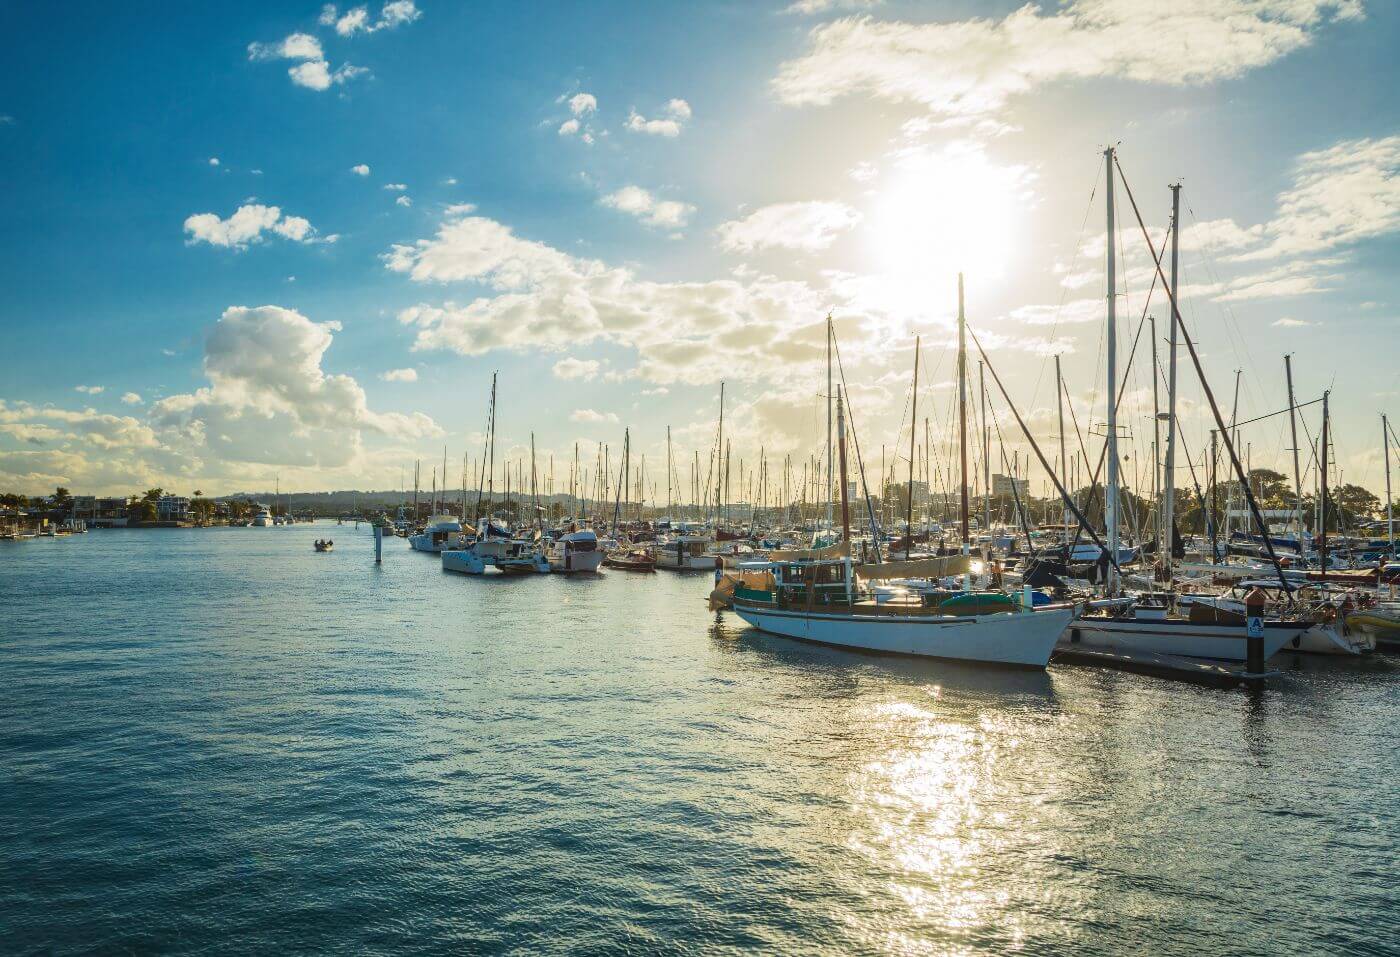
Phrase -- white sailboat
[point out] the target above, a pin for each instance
(823, 600)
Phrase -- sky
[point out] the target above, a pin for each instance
(256, 243)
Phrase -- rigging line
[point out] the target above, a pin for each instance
(1210, 396)
(1069, 502)
(1015, 491)
(855, 438)
(1064, 290)
(1270, 415)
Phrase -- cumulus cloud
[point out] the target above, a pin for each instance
(403, 201)
(400, 375)
(543, 298)
(360, 169)
(1288, 323)
(572, 368)
(568, 127)
(677, 112)
(269, 399)
(131, 398)
(972, 67)
(637, 202)
(90, 389)
(357, 19)
(213, 161)
(313, 72)
(581, 104)
(807, 226)
(591, 416)
(396, 187)
(246, 226)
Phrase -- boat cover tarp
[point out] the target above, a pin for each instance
(917, 568)
(839, 550)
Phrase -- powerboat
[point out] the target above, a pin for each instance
(441, 532)
(575, 551)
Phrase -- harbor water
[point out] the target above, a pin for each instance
(219, 741)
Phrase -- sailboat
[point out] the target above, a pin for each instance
(1155, 624)
(820, 596)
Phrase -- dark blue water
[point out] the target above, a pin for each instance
(217, 741)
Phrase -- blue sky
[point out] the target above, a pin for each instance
(617, 206)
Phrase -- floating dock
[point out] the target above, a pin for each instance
(1157, 665)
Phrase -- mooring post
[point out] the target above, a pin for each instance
(1254, 641)
(378, 543)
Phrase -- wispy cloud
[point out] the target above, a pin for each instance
(807, 226)
(637, 202)
(972, 67)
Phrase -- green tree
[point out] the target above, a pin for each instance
(61, 497)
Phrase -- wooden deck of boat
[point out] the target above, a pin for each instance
(1156, 665)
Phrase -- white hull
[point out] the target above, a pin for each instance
(687, 563)
(575, 562)
(1328, 639)
(1021, 638)
(1183, 639)
(423, 542)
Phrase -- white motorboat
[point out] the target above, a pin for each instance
(442, 532)
(1129, 627)
(573, 552)
(685, 553)
(262, 519)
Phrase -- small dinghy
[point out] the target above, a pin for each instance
(324, 545)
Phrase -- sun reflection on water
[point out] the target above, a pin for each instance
(926, 816)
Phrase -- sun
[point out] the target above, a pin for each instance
(940, 213)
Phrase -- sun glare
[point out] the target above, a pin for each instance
(943, 213)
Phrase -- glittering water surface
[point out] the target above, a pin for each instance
(219, 741)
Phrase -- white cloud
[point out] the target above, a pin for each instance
(1287, 323)
(1339, 196)
(589, 415)
(246, 226)
(637, 202)
(396, 187)
(352, 22)
(809, 7)
(269, 406)
(400, 375)
(581, 104)
(316, 74)
(807, 226)
(213, 161)
(677, 113)
(297, 46)
(571, 368)
(356, 20)
(403, 201)
(972, 67)
(360, 170)
(90, 389)
(568, 127)
(131, 398)
(543, 298)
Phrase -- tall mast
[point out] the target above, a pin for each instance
(534, 487)
(1389, 516)
(1110, 504)
(1167, 526)
(962, 411)
(1322, 499)
(719, 446)
(1156, 441)
(1064, 461)
(828, 420)
(845, 503)
(1293, 429)
(913, 430)
(986, 461)
(668, 471)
